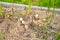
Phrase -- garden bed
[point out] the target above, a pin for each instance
(15, 25)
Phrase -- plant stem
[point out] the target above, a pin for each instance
(12, 6)
(29, 8)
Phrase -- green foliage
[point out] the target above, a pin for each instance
(39, 3)
(29, 8)
(58, 37)
(58, 3)
(2, 35)
(1, 9)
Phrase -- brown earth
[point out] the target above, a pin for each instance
(11, 27)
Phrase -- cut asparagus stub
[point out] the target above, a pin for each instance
(36, 16)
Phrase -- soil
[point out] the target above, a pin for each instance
(12, 28)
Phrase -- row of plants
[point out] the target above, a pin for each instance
(48, 20)
(36, 2)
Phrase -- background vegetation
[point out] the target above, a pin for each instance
(36, 2)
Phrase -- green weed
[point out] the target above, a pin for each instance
(1, 10)
(2, 35)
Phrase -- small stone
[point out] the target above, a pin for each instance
(21, 19)
(44, 20)
(39, 20)
(23, 22)
(26, 27)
